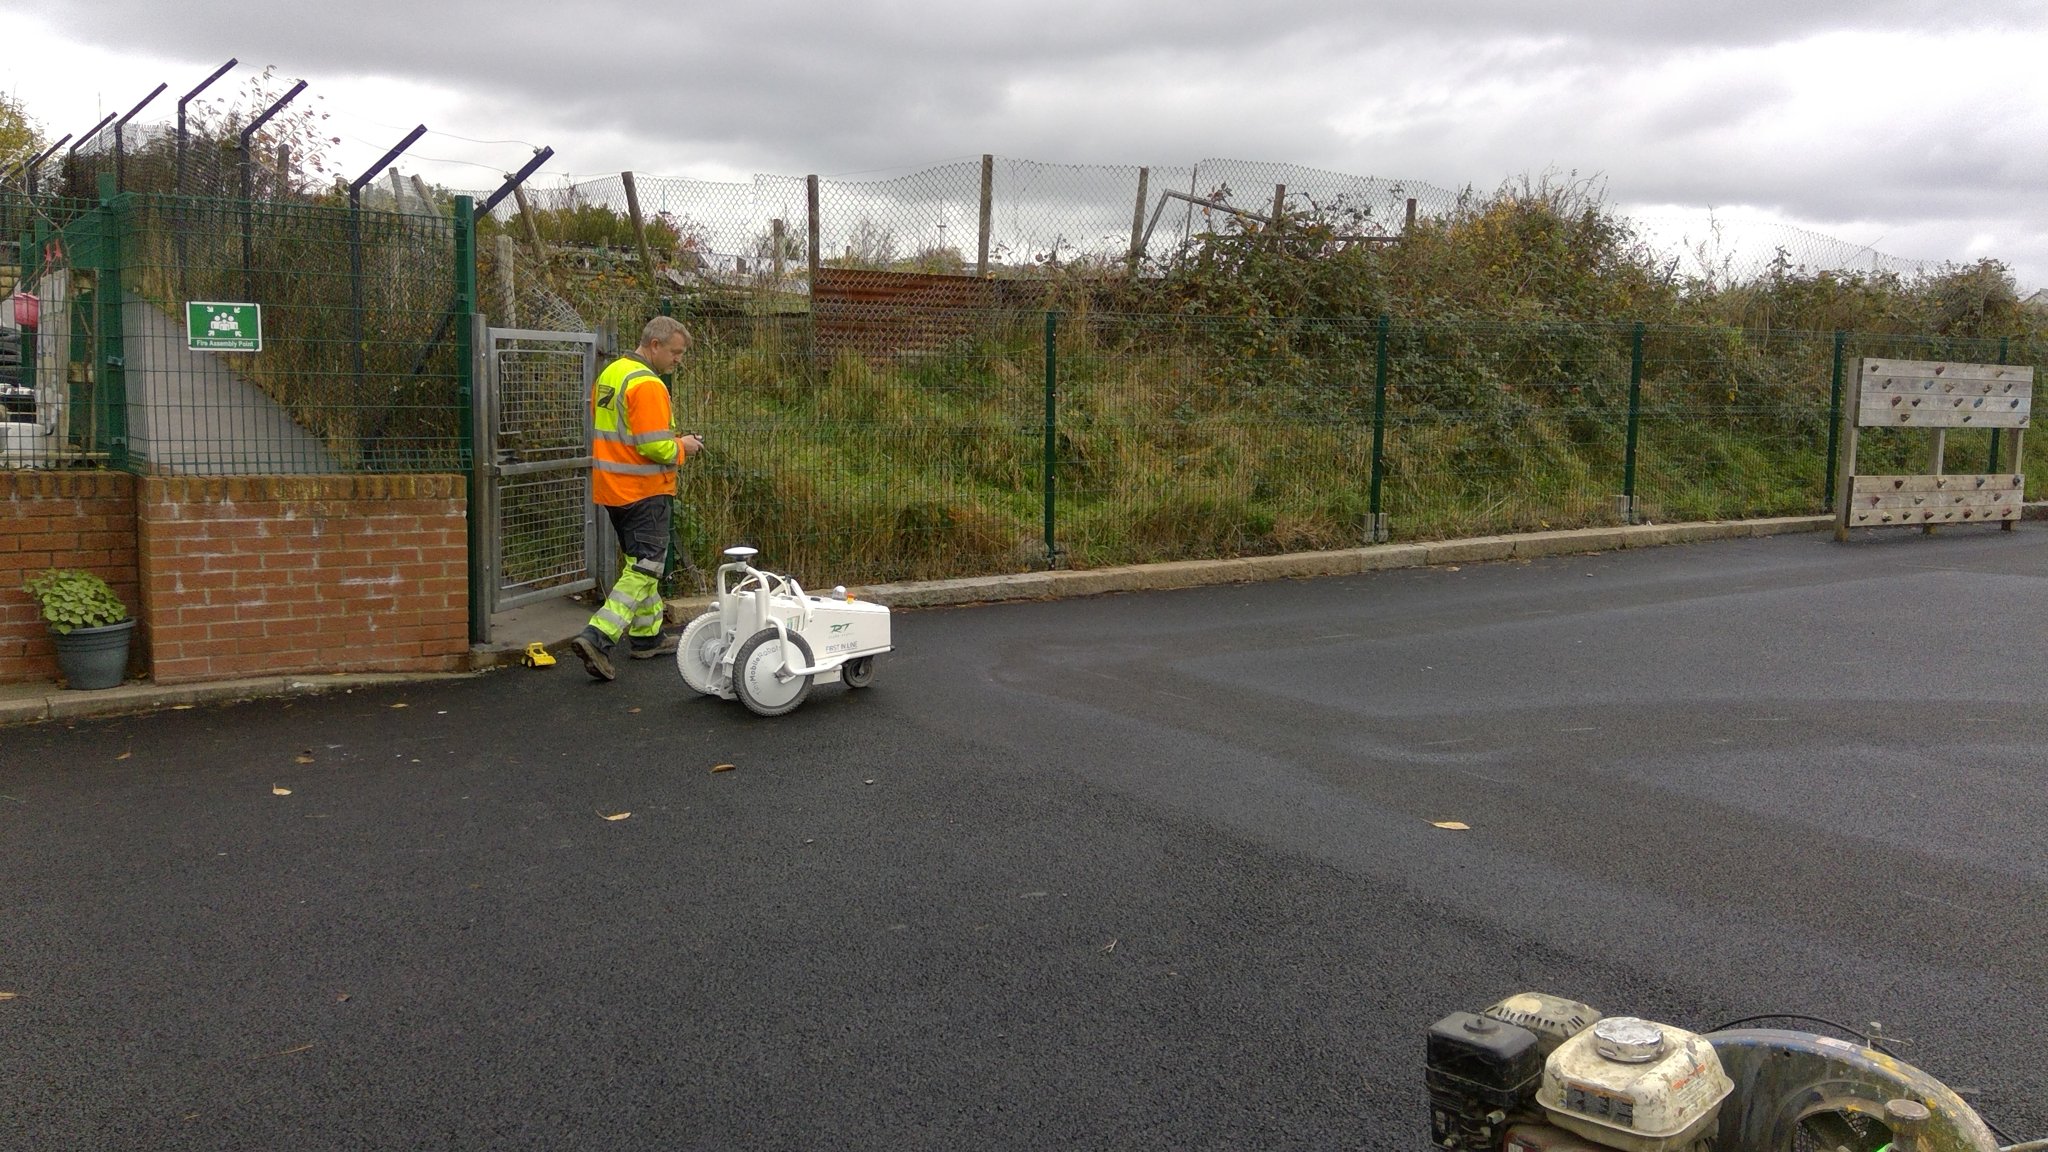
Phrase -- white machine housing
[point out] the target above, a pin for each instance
(1635, 1085)
(817, 639)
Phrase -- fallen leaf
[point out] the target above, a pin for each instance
(1453, 568)
(633, 709)
(341, 997)
(181, 707)
(1453, 825)
(399, 705)
(867, 781)
(304, 757)
(124, 755)
(721, 767)
(620, 816)
(294, 1051)
(277, 791)
(10, 995)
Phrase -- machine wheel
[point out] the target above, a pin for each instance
(697, 653)
(753, 673)
(858, 673)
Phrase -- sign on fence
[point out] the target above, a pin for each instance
(217, 327)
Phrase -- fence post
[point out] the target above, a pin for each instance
(467, 395)
(1377, 531)
(1835, 417)
(988, 200)
(1052, 324)
(540, 250)
(1635, 411)
(639, 228)
(2004, 346)
(811, 235)
(811, 255)
(1138, 221)
(508, 283)
(108, 344)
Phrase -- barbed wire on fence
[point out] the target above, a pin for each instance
(1043, 216)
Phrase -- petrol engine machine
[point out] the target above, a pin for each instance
(1539, 1073)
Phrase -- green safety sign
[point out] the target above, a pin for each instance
(216, 327)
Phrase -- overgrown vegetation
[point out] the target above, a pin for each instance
(1224, 404)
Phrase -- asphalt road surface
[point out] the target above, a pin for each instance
(1147, 871)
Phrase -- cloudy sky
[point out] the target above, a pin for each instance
(1916, 127)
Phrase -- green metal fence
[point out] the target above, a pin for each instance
(870, 442)
(350, 361)
(1032, 437)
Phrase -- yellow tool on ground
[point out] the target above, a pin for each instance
(537, 656)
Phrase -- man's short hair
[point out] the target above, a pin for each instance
(660, 328)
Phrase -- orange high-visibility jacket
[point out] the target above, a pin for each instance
(634, 450)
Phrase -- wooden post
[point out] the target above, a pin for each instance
(811, 208)
(1138, 220)
(988, 199)
(2019, 467)
(1845, 476)
(284, 171)
(507, 285)
(639, 229)
(540, 252)
(398, 191)
(1411, 214)
(1937, 462)
(776, 234)
(419, 189)
(1279, 207)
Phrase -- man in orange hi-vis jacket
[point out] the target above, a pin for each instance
(634, 454)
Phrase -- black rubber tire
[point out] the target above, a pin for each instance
(858, 673)
(744, 672)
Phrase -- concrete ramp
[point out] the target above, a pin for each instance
(190, 414)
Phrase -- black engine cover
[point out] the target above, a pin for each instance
(1480, 1074)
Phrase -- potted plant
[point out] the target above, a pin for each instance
(89, 625)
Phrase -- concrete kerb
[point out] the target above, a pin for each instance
(58, 704)
(1303, 565)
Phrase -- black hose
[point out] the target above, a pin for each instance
(1878, 1044)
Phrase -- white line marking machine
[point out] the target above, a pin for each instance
(766, 641)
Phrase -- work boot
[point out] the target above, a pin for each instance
(648, 647)
(592, 649)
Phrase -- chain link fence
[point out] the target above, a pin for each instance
(1043, 218)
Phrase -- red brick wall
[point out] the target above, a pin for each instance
(60, 520)
(278, 574)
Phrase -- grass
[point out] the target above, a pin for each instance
(1177, 439)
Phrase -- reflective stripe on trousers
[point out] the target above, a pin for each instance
(634, 605)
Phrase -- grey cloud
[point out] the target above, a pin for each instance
(1455, 92)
